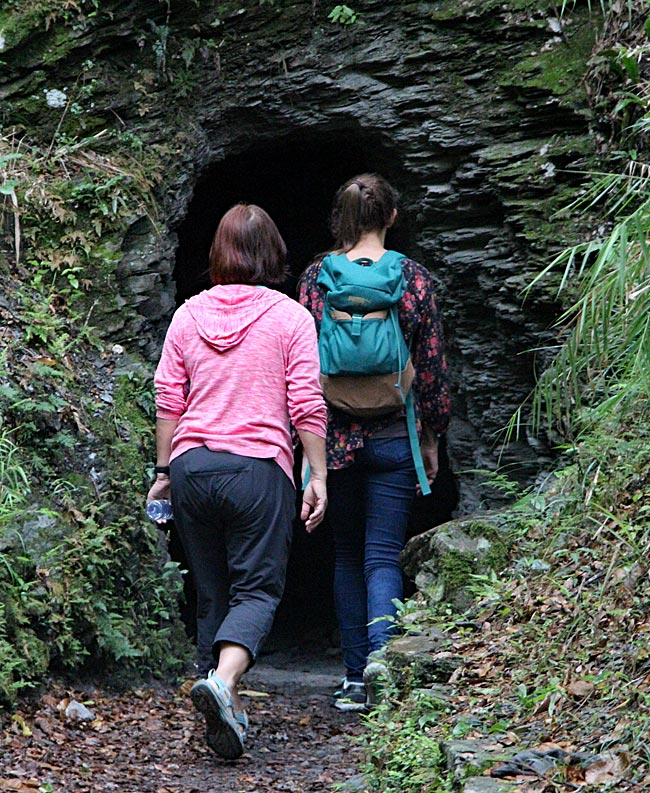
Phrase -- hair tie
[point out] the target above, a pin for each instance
(356, 183)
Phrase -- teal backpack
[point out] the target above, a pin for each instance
(366, 367)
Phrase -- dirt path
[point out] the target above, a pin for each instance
(151, 741)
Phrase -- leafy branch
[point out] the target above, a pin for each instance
(343, 15)
(8, 189)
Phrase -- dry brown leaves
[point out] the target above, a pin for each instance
(152, 741)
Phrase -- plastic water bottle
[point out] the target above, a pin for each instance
(160, 509)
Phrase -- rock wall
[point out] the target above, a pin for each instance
(474, 110)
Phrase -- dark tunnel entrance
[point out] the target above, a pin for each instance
(294, 179)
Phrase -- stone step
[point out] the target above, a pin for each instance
(468, 757)
(423, 659)
(485, 784)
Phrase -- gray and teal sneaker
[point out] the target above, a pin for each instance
(351, 695)
(375, 677)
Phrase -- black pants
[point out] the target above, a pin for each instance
(234, 518)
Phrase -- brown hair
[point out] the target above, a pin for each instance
(247, 248)
(364, 203)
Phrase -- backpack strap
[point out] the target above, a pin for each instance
(409, 404)
(415, 445)
(400, 363)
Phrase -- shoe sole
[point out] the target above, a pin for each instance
(222, 734)
(349, 705)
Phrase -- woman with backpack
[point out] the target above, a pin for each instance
(239, 366)
(373, 465)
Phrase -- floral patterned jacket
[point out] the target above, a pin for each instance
(420, 322)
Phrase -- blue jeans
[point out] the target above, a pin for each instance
(369, 506)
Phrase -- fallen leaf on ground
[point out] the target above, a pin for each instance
(247, 692)
(185, 687)
(609, 768)
(580, 688)
(20, 722)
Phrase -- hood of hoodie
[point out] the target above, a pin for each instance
(225, 314)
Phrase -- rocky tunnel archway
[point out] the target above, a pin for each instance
(294, 177)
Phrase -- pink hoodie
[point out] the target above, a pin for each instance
(238, 364)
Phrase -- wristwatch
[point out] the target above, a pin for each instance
(161, 469)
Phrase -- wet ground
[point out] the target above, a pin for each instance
(152, 741)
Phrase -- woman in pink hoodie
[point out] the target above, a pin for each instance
(239, 365)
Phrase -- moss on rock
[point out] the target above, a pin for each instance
(444, 560)
(560, 65)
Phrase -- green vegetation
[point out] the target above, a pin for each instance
(19, 19)
(599, 368)
(560, 67)
(555, 648)
(84, 580)
(96, 596)
(414, 762)
(343, 15)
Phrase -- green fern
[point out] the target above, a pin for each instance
(603, 350)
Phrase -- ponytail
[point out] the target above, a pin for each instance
(350, 214)
(364, 203)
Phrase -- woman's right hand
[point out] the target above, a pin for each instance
(314, 503)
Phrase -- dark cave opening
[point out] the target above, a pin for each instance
(294, 178)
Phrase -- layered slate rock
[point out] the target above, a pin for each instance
(474, 110)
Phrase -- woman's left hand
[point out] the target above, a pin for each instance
(159, 489)
(429, 450)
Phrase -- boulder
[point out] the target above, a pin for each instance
(443, 560)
